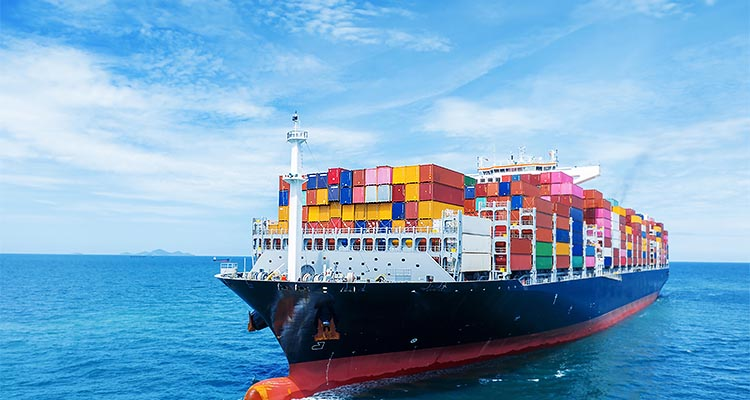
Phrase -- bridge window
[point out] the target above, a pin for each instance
(421, 244)
(380, 243)
(407, 243)
(267, 244)
(356, 244)
(393, 243)
(343, 244)
(368, 244)
(308, 244)
(331, 244)
(318, 244)
(435, 245)
(277, 244)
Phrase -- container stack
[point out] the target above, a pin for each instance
(383, 197)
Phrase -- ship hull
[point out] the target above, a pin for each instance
(335, 334)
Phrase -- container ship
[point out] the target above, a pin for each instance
(388, 271)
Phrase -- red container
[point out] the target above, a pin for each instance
(348, 224)
(412, 210)
(520, 262)
(442, 193)
(480, 190)
(398, 193)
(608, 242)
(311, 197)
(524, 189)
(544, 190)
(562, 222)
(592, 194)
(411, 223)
(336, 223)
(470, 206)
(493, 189)
(539, 203)
(358, 177)
(562, 210)
(520, 246)
(563, 262)
(334, 176)
(545, 178)
(445, 176)
(544, 235)
(506, 178)
(304, 185)
(498, 199)
(283, 185)
(305, 212)
(543, 220)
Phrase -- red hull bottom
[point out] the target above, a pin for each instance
(308, 378)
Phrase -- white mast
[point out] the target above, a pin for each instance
(294, 249)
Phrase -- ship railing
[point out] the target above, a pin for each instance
(355, 231)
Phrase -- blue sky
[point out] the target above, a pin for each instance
(129, 128)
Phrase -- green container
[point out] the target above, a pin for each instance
(577, 261)
(544, 249)
(480, 202)
(543, 262)
(469, 181)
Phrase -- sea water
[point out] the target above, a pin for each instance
(121, 327)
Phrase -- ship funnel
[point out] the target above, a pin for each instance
(294, 249)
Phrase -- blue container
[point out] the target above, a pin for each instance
(469, 192)
(346, 179)
(359, 226)
(283, 198)
(515, 178)
(312, 181)
(398, 210)
(384, 226)
(590, 251)
(630, 253)
(658, 234)
(577, 239)
(576, 214)
(334, 193)
(643, 234)
(516, 202)
(607, 261)
(562, 236)
(577, 227)
(346, 195)
(577, 250)
(643, 255)
(503, 189)
(323, 180)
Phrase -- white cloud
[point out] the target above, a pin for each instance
(343, 20)
(457, 117)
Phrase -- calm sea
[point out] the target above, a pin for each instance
(119, 327)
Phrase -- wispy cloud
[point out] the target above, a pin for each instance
(347, 21)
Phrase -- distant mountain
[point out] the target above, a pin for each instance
(158, 252)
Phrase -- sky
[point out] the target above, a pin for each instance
(129, 126)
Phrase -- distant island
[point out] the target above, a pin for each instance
(157, 252)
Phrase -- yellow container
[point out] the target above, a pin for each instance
(372, 211)
(618, 210)
(636, 219)
(273, 227)
(562, 249)
(335, 210)
(629, 230)
(657, 228)
(399, 175)
(360, 212)
(325, 214)
(412, 190)
(313, 213)
(425, 223)
(347, 212)
(283, 225)
(658, 240)
(629, 246)
(284, 213)
(434, 209)
(384, 211)
(321, 197)
(412, 174)
(398, 224)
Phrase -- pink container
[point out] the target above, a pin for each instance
(604, 223)
(602, 213)
(577, 191)
(590, 261)
(545, 178)
(548, 198)
(385, 175)
(560, 177)
(371, 176)
(358, 194)
(607, 233)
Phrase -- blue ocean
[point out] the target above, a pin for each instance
(121, 327)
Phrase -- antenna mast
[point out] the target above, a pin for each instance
(294, 249)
